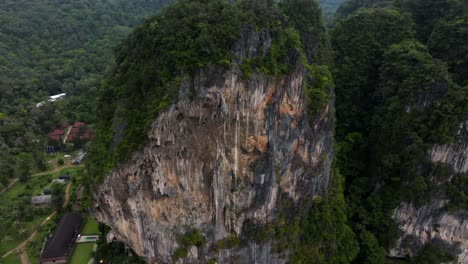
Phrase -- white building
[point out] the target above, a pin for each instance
(52, 98)
(41, 199)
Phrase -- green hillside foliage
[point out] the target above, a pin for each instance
(358, 58)
(350, 6)
(448, 43)
(189, 36)
(329, 8)
(400, 78)
(305, 16)
(183, 39)
(321, 234)
(49, 47)
(149, 67)
(398, 68)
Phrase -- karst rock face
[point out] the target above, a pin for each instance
(432, 222)
(221, 161)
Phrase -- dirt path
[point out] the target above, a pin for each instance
(67, 194)
(15, 180)
(31, 237)
(66, 134)
(57, 170)
(9, 185)
(24, 257)
(21, 247)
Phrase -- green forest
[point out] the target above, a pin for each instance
(397, 71)
(400, 84)
(329, 8)
(51, 47)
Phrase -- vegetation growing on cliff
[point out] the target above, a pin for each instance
(321, 233)
(149, 67)
(184, 39)
(190, 36)
(400, 87)
(191, 238)
(395, 99)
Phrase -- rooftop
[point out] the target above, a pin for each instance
(41, 199)
(57, 96)
(60, 244)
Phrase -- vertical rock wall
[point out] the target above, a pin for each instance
(432, 222)
(220, 160)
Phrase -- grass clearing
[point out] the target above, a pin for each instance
(11, 259)
(19, 218)
(91, 227)
(82, 253)
(33, 248)
(34, 186)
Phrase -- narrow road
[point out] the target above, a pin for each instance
(15, 180)
(67, 194)
(21, 247)
(9, 185)
(66, 134)
(24, 258)
(31, 237)
(57, 170)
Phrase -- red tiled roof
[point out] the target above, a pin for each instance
(57, 132)
(78, 124)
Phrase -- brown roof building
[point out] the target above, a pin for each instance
(79, 131)
(56, 134)
(59, 245)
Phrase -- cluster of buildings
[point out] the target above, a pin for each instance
(69, 133)
(46, 196)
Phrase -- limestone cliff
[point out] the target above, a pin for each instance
(221, 158)
(432, 222)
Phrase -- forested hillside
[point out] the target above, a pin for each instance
(289, 133)
(329, 7)
(400, 74)
(50, 47)
(400, 83)
(191, 55)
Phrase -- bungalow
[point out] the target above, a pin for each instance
(41, 199)
(56, 97)
(59, 245)
(52, 98)
(78, 159)
(59, 181)
(57, 134)
(79, 131)
(64, 177)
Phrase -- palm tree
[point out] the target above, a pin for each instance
(7, 239)
(17, 224)
(23, 232)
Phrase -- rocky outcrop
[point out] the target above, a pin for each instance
(432, 222)
(219, 162)
(428, 224)
(455, 154)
